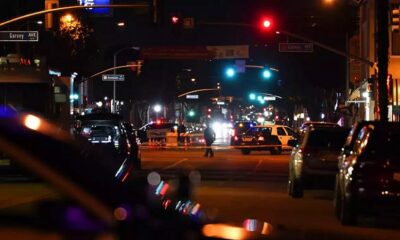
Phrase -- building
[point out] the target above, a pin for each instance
(364, 96)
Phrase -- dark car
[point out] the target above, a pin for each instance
(316, 155)
(368, 181)
(109, 131)
(310, 124)
(259, 138)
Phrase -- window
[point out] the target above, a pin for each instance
(281, 131)
(290, 132)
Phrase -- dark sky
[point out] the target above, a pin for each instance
(309, 18)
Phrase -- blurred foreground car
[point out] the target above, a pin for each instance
(316, 155)
(93, 197)
(108, 131)
(368, 181)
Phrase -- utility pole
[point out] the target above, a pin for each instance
(382, 10)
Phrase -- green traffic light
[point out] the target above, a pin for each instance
(266, 74)
(252, 96)
(191, 113)
(230, 72)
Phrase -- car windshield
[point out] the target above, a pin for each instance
(192, 119)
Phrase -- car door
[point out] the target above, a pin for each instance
(282, 135)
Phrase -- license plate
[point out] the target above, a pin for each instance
(247, 139)
(396, 176)
(4, 162)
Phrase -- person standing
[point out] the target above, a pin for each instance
(209, 137)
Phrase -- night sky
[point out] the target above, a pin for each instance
(320, 69)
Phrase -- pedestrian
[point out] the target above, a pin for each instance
(209, 137)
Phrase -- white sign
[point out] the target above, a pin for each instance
(113, 77)
(268, 98)
(192, 96)
(229, 51)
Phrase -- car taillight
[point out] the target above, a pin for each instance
(260, 138)
(236, 138)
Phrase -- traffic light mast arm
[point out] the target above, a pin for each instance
(290, 34)
(29, 15)
(198, 90)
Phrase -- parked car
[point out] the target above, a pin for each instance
(259, 138)
(368, 181)
(109, 131)
(312, 124)
(315, 155)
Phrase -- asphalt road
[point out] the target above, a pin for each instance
(235, 187)
(232, 187)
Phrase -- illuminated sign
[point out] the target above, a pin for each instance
(99, 11)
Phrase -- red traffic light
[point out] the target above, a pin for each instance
(175, 20)
(266, 23)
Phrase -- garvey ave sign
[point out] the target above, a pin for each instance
(19, 36)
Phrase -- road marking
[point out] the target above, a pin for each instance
(175, 164)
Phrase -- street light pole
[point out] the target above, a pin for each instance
(114, 106)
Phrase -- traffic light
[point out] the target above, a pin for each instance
(266, 23)
(230, 72)
(191, 113)
(266, 74)
(252, 96)
(175, 20)
(191, 116)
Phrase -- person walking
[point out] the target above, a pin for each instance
(209, 137)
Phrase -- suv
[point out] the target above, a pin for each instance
(315, 155)
(109, 132)
(368, 181)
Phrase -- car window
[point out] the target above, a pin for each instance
(281, 131)
(321, 139)
(290, 132)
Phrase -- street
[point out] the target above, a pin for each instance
(236, 187)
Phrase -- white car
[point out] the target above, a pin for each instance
(284, 134)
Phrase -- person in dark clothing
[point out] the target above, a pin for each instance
(209, 137)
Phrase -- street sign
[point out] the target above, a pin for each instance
(113, 77)
(19, 36)
(269, 98)
(194, 96)
(229, 51)
(296, 47)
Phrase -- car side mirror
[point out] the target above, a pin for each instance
(292, 142)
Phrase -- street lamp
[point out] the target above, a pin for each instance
(157, 108)
(113, 106)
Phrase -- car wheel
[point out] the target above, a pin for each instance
(347, 212)
(297, 189)
(246, 151)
